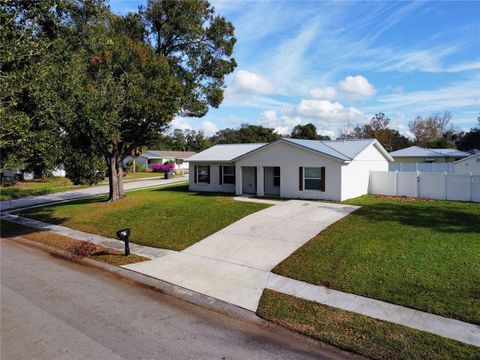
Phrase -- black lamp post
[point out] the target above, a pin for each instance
(123, 235)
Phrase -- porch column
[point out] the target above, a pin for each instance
(238, 180)
(260, 180)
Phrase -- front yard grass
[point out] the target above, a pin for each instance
(169, 217)
(423, 255)
(358, 333)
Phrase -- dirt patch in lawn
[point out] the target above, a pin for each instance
(402, 198)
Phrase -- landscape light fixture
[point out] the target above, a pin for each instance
(123, 235)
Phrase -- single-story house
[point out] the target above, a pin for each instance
(469, 164)
(150, 157)
(290, 168)
(417, 154)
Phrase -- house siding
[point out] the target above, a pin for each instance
(289, 158)
(469, 165)
(356, 174)
(214, 185)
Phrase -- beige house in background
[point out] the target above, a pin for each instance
(417, 154)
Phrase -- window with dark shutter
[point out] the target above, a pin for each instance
(220, 171)
(203, 174)
(195, 173)
(228, 174)
(314, 178)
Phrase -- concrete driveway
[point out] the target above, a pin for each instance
(234, 264)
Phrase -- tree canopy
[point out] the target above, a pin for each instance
(378, 128)
(307, 131)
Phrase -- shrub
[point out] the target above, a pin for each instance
(162, 167)
(83, 249)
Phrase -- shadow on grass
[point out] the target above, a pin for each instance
(439, 218)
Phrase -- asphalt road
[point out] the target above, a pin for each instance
(54, 309)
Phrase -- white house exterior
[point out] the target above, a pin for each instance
(290, 168)
(470, 164)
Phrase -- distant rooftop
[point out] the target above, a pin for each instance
(160, 154)
(225, 152)
(417, 151)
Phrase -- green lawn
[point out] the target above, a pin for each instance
(169, 217)
(424, 255)
(353, 332)
(36, 187)
(56, 184)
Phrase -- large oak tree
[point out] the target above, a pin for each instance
(131, 75)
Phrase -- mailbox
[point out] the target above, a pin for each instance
(123, 235)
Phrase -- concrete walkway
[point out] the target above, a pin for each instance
(449, 328)
(234, 264)
(82, 193)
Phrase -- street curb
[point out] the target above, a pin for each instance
(192, 297)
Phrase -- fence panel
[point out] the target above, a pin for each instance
(458, 187)
(475, 188)
(383, 183)
(423, 167)
(431, 185)
(407, 184)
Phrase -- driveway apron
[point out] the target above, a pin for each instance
(234, 264)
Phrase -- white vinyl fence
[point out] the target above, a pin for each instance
(423, 167)
(429, 185)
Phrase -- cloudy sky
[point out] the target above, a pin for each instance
(334, 63)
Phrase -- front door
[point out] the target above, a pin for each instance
(249, 180)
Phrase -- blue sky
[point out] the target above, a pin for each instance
(338, 63)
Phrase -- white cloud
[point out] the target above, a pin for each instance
(328, 93)
(209, 128)
(356, 86)
(282, 124)
(453, 96)
(248, 82)
(327, 116)
(180, 123)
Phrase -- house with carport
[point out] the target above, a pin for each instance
(289, 168)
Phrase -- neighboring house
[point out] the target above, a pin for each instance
(417, 154)
(469, 164)
(290, 168)
(150, 157)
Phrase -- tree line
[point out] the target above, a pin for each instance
(434, 131)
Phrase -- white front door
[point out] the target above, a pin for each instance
(249, 180)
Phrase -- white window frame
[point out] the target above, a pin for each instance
(310, 178)
(198, 174)
(277, 176)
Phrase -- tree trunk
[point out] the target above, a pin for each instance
(121, 192)
(134, 165)
(112, 178)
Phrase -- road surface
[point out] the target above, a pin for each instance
(54, 309)
(80, 193)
